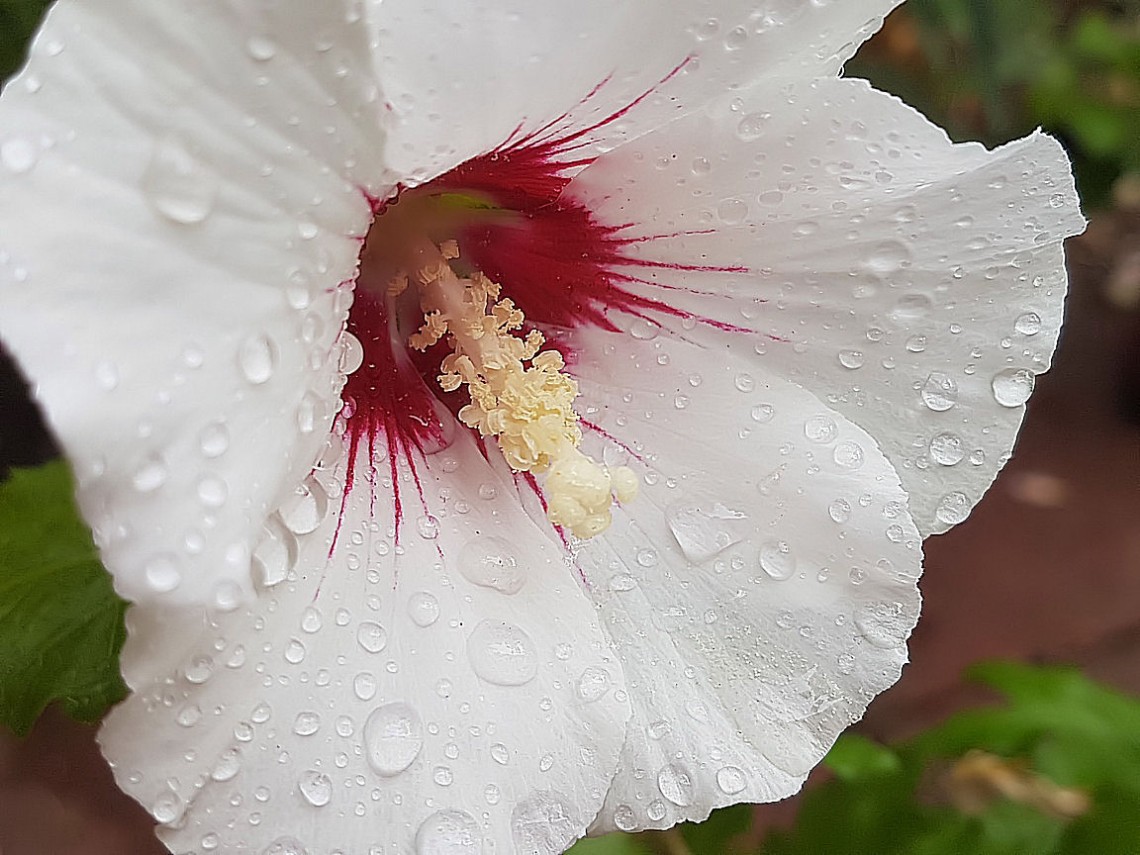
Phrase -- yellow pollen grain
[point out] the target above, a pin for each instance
(527, 408)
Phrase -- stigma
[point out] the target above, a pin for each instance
(520, 393)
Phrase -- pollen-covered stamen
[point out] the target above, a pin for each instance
(519, 393)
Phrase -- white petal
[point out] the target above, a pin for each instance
(465, 76)
(454, 683)
(180, 188)
(759, 591)
(915, 285)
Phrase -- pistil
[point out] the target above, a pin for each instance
(520, 394)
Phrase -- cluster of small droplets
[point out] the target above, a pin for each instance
(519, 393)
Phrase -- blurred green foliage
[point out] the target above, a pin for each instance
(1068, 747)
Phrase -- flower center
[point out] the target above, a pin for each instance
(456, 324)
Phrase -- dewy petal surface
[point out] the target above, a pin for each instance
(883, 262)
(761, 589)
(449, 684)
(464, 77)
(179, 190)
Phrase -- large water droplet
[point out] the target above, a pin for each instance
(316, 787)
(1028, 323)
(275, 555)
(939, 392)
(167, 806)
(593, 683)
(953, 508)
(261, 48)
(449, 832)
(18, 155)
(544, 823)
(257, 358)
(490, 562)
(887, 257)
(393, 737)
(676, 784)
(821, 429)
(423, 608)
(214, 439)
(946, 449)
(910, 308)
(150, 475)
(502, 653)
(177, 186)
(306, 508)
(777, 561)
(752, 126)
(372, 637)
(731, 780)
(162, 574)
(1012, 387)
(705, 529)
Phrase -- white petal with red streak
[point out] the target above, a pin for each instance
(759, 591)
(915, 285)
(402, 689)
(180, 195)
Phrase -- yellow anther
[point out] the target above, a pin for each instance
(398, 284)
(529, 409)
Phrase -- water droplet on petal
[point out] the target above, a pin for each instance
(304, 511)
(428, 527)
(351, 353)
(257, 358)
(593, 683)
(953, 508)
(177, 186)
(839, 510)
(1028, 323)
(307, 723)
(150, 475)
(851, 359)
(372, 637)
(449, 832)
(167, 807)
(294, 652)
(752, 125)
(423, 608)
(1013, 386)
(364, 686)
(676, 784)
(214, 439)
(502, 653)
(939, 392)
(311, 620)
(490, 562)
(393, 737)
(544, 823)
(18, 155)
(500, 754)
(162, 574)
(261, 48)
(316, 788)
(625, 819)
(731, 780)
(946, 449)
(704, 530)
(777, 561)
(848, 455)
(821, 429)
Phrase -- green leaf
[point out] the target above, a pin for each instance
(854, 756)
(61, 625)
(610, 844)
(18, 20)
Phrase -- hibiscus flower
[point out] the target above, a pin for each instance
(509, 419)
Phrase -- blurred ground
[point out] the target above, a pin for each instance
(1047, 569)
